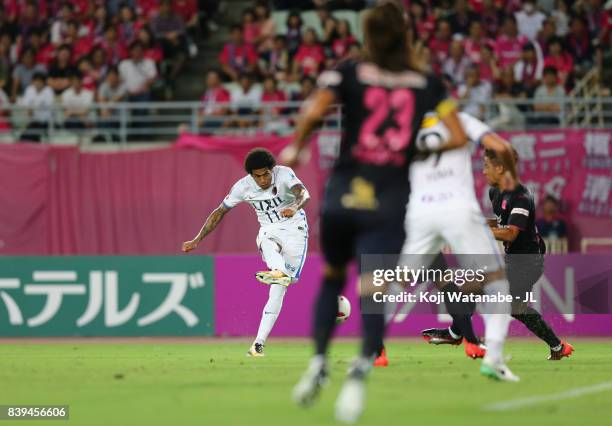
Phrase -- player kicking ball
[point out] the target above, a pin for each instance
(278, 198)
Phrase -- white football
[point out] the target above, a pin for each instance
(344, 309)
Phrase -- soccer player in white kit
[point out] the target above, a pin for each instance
(278, 197)
(443, 209)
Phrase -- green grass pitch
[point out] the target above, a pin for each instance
(214, 383)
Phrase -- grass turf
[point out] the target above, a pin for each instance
(214, 383)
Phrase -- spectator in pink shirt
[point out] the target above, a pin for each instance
(340, 45)
(215, 102)
(272, 94)
(425, 24)
(115, 51)
(440, 44)
(309, 57)
(128, 25)
(266, 27)
(473, 44)
(250, 29)
(509, 45)
(559, 59)
(152, 49)
(80, 45)
(237, 56)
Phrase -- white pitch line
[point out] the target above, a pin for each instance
(533, 400)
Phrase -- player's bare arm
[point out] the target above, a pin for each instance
(301, 198)
(507, 234)
(447, 112)
(311, 117)
(211, 223)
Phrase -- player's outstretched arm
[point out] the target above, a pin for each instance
(211, 223)
(311, 117)
(301, 198)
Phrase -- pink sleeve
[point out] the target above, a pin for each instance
(252, 55)
(224, 56)
(224, 96)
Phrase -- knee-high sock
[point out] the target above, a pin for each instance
(373, 332)
(536, 324)
(325, 311)
(461, 313)
(497, 319)
(270, 312)
(273, 258)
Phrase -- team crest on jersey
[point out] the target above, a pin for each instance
(361, 197)
(504, 204)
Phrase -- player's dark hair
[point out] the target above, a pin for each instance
(386, 37)
(259, 158)
(494, 158)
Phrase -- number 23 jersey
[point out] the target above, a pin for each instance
(268, 203)
(381, 113)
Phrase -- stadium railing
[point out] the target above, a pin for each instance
(599, 243)
(164, 121)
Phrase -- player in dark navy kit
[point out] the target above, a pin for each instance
(384, 100)
(515, 209)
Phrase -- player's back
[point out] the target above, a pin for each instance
(381, 113)
(444, 180)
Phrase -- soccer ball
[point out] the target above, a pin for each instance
(344, 309)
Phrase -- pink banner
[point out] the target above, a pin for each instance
(243, 299)
(58, 200)
(575, 166)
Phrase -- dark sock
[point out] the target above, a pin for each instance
(461, 313)
(536, 324)
(373, 331)
(325, 311)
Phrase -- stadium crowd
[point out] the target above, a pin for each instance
(80, 52)
(483, 49)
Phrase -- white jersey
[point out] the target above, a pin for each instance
(268, 203)
(444, 180)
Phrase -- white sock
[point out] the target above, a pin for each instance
(270, 312)
(497, 319)
(271, 255)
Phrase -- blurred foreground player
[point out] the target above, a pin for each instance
(278, 197)
(384, 100)
(444, 210)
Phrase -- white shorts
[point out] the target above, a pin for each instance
(465, 231)
(290, 241)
